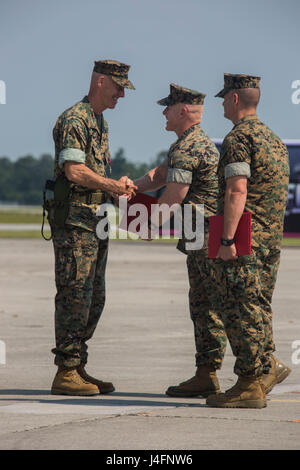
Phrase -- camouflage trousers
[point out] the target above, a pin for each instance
(233, 300)
(80, 263)
(209, 332)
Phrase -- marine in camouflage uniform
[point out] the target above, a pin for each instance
(78, 251)
(192, 161)
(244, 286)
(81, 136)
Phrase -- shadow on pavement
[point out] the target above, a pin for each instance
(113, 399)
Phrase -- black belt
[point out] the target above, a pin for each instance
(89, 197)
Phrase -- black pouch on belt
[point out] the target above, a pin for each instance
(62, 190)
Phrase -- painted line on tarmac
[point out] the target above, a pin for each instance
(18, 227)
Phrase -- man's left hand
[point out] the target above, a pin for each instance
(227, 253)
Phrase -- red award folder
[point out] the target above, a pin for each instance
(242, 235)
(140, 198)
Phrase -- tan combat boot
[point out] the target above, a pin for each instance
(248, 392)
(205, 382)
(276, 375)
(104, 387)
(68, 382)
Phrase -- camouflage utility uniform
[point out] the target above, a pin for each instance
(80, 257)
(244, 287)
(193, 160)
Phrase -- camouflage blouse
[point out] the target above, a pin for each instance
(81, 136)
(251, 149)
(193, 159)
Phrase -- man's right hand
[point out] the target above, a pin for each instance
(80, 174)
(126, 187)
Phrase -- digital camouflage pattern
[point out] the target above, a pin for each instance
(244, 287)
(238, 81)
(238, 299)
(253, 143)
(268, 263)
(79, 128)
(116, 70)
(179, 94)
(80, 262)
(196, 157)
(209, 332)
(220, 293)
(80, 257)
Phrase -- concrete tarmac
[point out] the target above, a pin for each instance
(143, 344)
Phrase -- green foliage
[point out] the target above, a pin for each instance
(160, 157)
(122, 167)
(22, 181)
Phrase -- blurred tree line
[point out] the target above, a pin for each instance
(120, 166)
(22, 181)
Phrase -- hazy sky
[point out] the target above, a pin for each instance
(48, 48)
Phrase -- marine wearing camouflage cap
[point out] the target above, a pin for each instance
(189, 174)
(81, 140)
(116, 70)
(238, 81)
(179, 94)
(254, 162)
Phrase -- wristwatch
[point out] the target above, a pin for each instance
(226, 242)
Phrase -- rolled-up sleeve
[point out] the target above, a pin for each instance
(180, 165)
(178, 175)
(237, 156)
(237, 169)
(73, 141)
(71, 155)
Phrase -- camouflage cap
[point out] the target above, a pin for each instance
(237, 81)
(179, 94)
(116, 70)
